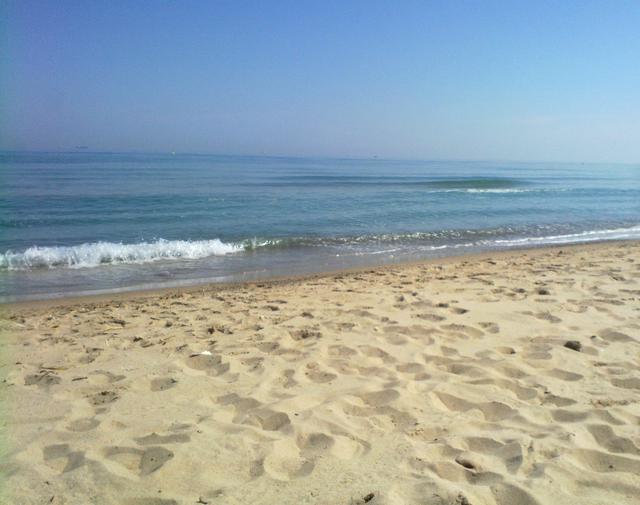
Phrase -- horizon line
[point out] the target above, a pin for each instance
(319, 157)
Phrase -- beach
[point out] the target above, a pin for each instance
(507, 378)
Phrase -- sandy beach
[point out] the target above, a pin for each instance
(507, 378)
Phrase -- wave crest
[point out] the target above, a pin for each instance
(101, 253)
(109, 253)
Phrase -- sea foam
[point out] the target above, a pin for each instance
(110, 253)
(632, 233)
(101, 253)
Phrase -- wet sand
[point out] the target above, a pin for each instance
(506, 378)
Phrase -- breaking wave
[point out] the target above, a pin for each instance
(109, 253)
(101, 253)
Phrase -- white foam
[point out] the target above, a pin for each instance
(586, 236)
(632, 233)
(110, 253)
(500, 190)
(100, 253)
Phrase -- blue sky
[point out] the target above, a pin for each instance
(429, 80)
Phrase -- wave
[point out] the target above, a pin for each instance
(432, 184)
(464, 186)
(501, 190)
(110, 253)
(585, 236)
(477, 183)
(101, 253)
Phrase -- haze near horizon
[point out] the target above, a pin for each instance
(447, 80)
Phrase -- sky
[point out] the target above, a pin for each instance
(510, 80)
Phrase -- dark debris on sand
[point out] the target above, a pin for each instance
(574, 345)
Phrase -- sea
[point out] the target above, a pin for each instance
(82, 223)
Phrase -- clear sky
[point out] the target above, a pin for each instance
(529, 80)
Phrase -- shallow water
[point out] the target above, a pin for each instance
(80, 222)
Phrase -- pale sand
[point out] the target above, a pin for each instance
(433, 383)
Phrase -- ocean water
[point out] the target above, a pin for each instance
(73, 223)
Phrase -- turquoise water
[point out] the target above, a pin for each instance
(81, 222)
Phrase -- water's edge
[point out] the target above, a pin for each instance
(189, 285)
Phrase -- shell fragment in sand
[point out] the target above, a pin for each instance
(203, 353)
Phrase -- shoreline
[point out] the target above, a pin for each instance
(136, 293)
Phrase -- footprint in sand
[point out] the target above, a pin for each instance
(434, 318)
(615, 336)
(378, 398)
(376, 371)
(568, 416)
(162, 383)
(446, 351)
(410, 368)
(490, 327)
(628, 383)
(253, 364)
(85, 424)
(397, 340)
(155, 439)
(287, 379)
(538, 352)
(565, 375)
(492, 411)
(103, 398)
(240, 405)
(508, 494)
(270, 420)
(521, 392)
(608, 440)
(140, 461)
(313, 445)
(210, 363)
(305, 334)
(558, 401)
(547, 316)
(464, 469)
(464, 329)
(281, 467)
(341, 351)
(90, 355)
(295, 458)
(61, 458)
(376, 352)
(104, 377)
(602, 462)
(43, 378)
(267, 347)
(318, 375)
